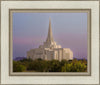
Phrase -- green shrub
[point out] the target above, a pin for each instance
(40, 65)
(74, 67)
(17, 67)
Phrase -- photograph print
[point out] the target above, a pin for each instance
(50, 42)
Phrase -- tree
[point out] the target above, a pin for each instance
(74, 67)
(67, 67)
(63, 62)
(17, 67)
(55, 66)
(40, 65)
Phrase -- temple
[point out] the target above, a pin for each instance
(50, 50)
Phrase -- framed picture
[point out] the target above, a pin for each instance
(50, 42)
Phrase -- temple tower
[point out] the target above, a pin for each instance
(50, 36)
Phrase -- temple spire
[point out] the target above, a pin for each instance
(50, 36)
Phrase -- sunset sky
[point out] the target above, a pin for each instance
(69, 30)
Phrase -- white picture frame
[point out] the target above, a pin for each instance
(91, 79)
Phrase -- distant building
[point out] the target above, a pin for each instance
(50, 50)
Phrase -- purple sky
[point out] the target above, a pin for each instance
(69, 30)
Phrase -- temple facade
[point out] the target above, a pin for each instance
(50, 50)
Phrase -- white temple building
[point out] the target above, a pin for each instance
(50, 50)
